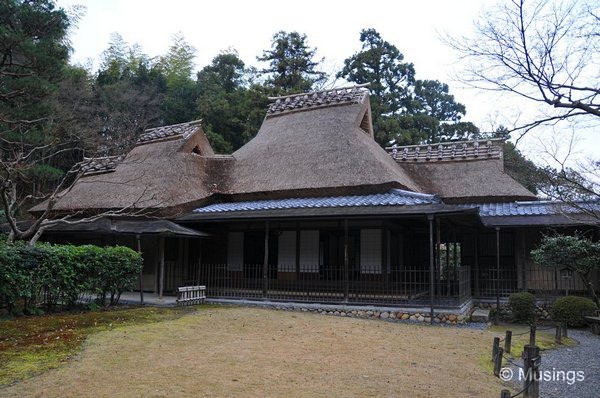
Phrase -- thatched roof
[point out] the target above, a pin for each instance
(317, 144)
(309, 145)
(167, 173)
(461, 172)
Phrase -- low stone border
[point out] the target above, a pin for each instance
(387, 315)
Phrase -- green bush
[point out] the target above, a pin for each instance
(522, 306)
(572, 309)
(47, 275)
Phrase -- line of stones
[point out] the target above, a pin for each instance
(385, 315)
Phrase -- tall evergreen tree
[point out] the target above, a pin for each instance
(292, 65)
(33, 58)
(405, 110)
(177, 66)
(221, 88)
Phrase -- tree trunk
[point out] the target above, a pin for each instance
(590, 287)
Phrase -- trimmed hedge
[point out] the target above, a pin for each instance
(47, 275)
(572, 309)
(522, 306)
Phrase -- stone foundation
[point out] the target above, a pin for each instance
(391, 315)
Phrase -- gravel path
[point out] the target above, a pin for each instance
(580, 363)
(584, 357)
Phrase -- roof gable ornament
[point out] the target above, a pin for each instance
(317, 99)
(447, 151)
(107, 164)
(164, 133)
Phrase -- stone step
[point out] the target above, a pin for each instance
(480, 315)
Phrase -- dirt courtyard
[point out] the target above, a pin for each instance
(235, 351)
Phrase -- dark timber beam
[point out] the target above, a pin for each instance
(266, 261)
(431, 266)
(497, 317)
(476, 261)
(346, 265)
(139, 249)
(161, 257)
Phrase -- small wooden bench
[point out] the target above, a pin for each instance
(190, 295)
(594, 322)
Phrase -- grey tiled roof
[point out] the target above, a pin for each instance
(394, 197)
(317, 99)
(533, 208)
(159, 133)
(100, 165)
(464, 150)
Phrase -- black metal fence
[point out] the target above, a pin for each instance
(541, 281)
(365, 285)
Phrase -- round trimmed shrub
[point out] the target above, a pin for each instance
(522, 306)
(572, 309)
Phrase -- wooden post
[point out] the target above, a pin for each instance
(431, 268)
(266, 261)
(558, 335)
(161, 257)
(495, 348)
(438, 258)
(297, 251)
(476, 262)
(532, 329)
(498, 362)
(497, 317)
(198, 281)
(565, 331)
(346, 265)
(531, 365)
(139, 249)
(507, 341)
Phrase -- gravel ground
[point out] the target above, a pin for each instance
(583, 358)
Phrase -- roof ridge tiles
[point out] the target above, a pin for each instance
(317, 99)
(168, 132)
(448, 151)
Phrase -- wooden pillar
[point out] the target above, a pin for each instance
(519, 237)
(447, 242)
(298, 251)
(161, 258)
(431, 267)
(497, 317)
(189, 273)
(266, 261)
(388, 255)
(438, 260)
(346, 265)
(198, 275)
(139, 249)
(476, 261)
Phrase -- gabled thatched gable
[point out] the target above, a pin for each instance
(317, 144)
(461, 172)
(170, 170)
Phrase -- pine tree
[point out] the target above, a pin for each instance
(292, 67)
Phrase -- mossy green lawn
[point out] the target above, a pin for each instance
(33, 344)
(520, 337)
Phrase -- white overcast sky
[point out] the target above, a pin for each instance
(332, 26)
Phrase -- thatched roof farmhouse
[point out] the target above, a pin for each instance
(313, 209)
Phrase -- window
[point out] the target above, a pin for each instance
(370, 251)
(309, 251)
(286, 252)
(235, 251)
